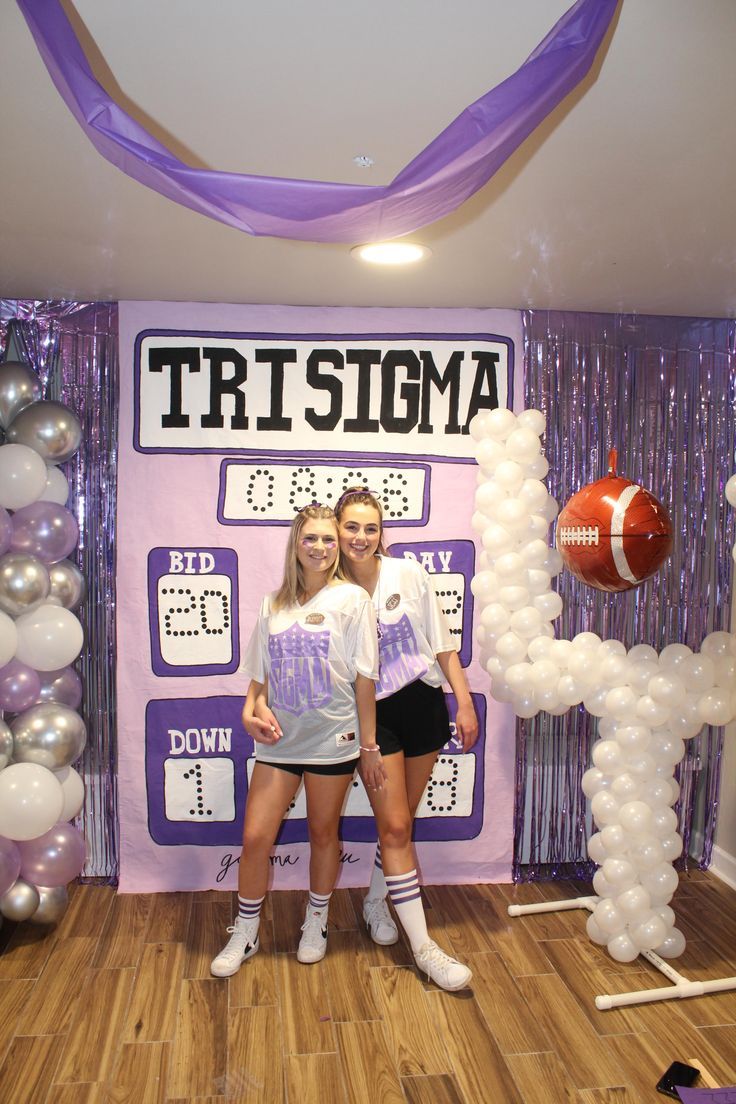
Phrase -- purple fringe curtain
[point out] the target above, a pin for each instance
(73, 347)
(663, 392)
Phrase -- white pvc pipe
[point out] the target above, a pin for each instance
(553, 906)
(668, 992)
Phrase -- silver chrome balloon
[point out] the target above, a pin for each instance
(67, 584)
(48, 427)
(19, 387)
(6, 745)
(50, 735)
(20, 901)
(24, 583)
(52, 904)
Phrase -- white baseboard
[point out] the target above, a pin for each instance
(723, 865)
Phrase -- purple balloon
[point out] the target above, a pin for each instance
(54, 858)
(20, 686)
(45, 530)
(9, 864)
(6, 530)
(63, 687)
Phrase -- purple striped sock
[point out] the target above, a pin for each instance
(249, 909)
(403, 888)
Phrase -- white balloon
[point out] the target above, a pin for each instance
(655, 792)
(595, 933)
(622, 948)
(509, 567)
(57, 487)
(545, 674)
(72, 787)
(641, 764)
(614, 669)
(671, 847)
(605, 808)
(511, 648)
(635, 817)
(666, 748)
(493, 666)
(518, 676)
(513, 597)
(614, 839)
(634, 903)
(596, 850)
(653, 713)
(22, 476)
(537, 528)
(673, 945)
(586, 641)
(526, 621)
(639, 672)
(483, 585)
(663, 822)
(649, 933)
(31, 800)
(489, 495)
(525, 706)
(621, 702)
(540, 648)
(608, 917)
(602, 887)
(717, 644)
(500, 423)
(667, 689)
(593, 781)
(8, 637)
(547, 700)
(535, 420)
(595, 702)
(666, 914)
(497, 540)
(626, 787)
(674, 656)
(633, 737)
(49, 638)
(730, 488)
(569, 691)
(619, 872)
(535, 553)
(495, 618)
(538, 467)
(583, 666)
(489, 455)
(510, 475)
(533, 494)
(715, 707)
(661, 881)
(539, 582)
(522, 444)
(647, 854)
(643, 653)
(606, 754)
(549, 605)
(501, 690)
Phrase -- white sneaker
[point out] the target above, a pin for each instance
(242, 944)
(444, 971)
(380, 923)
(313, 943)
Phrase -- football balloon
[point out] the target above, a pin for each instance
(613, 534)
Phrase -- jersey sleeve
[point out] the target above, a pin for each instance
(436, 628)
(255, 657)
(363, 640)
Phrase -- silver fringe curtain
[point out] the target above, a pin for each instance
(663, 392)
(73, 347)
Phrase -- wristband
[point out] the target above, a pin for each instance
(376, 748)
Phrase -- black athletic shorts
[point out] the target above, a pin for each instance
(413, 720)
(346, 767)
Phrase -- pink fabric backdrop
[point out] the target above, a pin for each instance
(309, 399)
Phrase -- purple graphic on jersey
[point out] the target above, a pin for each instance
(300, 676)
(399, 660)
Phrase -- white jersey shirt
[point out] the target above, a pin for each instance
(311, 655)
(411, 626)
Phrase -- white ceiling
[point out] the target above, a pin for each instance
(623, 200)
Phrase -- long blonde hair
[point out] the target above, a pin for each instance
(292, 585)
(359, 496)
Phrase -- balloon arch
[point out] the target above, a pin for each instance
(648, 703)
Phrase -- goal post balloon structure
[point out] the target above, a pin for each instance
(648, 703)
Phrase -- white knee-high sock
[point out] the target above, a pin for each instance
(377, 888)
(319, 902)
(403, 889)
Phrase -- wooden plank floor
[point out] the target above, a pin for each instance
(117, 1004)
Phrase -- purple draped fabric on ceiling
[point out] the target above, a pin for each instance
(451, 168)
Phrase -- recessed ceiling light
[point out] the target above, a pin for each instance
(391, 253)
